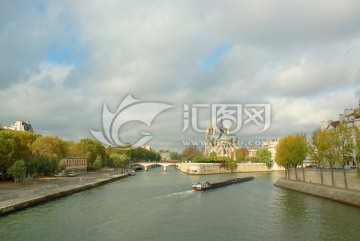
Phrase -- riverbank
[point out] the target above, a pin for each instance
(351, 197)
(19, 197)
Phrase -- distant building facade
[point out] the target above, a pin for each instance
(165, 155)
(76, 164)
(252, 150)
(271, 145)
(222, 144)
(350, 118)
(20, 125)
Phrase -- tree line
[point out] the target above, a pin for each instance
(41, 155)
(193, 154)
(331, 148)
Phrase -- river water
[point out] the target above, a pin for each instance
(157, 205)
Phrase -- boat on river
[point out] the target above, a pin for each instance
(202, 186)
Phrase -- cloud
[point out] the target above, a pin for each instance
(61, 61)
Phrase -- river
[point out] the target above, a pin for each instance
(157, 205)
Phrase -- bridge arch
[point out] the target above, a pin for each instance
(146, 165)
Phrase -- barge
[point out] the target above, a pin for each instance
(202, 186)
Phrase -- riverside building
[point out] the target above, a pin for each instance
(20, 125)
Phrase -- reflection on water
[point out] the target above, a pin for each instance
(159, 205)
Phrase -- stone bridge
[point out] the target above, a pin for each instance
(165, 165)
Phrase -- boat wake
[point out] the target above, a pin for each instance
(175, 194)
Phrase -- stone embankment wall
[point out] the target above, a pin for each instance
(313, 176)
(309, 181)
(337, 194)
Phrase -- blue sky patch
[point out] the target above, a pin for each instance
(66, 54)
(40, 7)
(212, 59)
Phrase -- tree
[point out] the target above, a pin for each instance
(174, 155)
(241, 154)
(345, 146)
(119, 160)
(17, 170)
(357, 148)
(43, 165)
(98, 162)
(190, 151)
(91, 149)
(264, 155)
(50, 146)
(231, 164)
(317, 149)
(330, 150)
(15, 145)
(62, 165)
(291, 151)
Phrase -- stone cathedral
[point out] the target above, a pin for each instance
(222, 144)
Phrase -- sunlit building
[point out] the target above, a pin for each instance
(221, 144)
(19, 125)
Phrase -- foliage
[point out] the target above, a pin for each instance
(142, 154)
(357, 145)
(50, 146)
(317, 147)
(91, 149)
(119, 160)
(240, 155)
(264, 155)
(174, 155)
(15, 145)
(17, 170)
(62, 165)
(342, 137)
(291, 150)
(253, 159)
(98, 162)
(191, 151)
(209, 159)
(43, 165)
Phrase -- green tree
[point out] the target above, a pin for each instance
(43, 165)
(174, 155)
(240, 155)
(317, 147)
(119, 160)
(345, 146)
(231, 164)
(91, 149)
(50, 146)
(291, 151)
(357, 148)
(17, 170)
(15, 145)
(264, 155)
(98, 162)
(330, 151)
(62, 165)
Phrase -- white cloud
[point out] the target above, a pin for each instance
(301, 57)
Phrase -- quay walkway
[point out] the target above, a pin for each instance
(15, 196)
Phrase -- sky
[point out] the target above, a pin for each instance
(63, 63)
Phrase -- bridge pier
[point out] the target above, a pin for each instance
(165, 168)
(145, 168)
